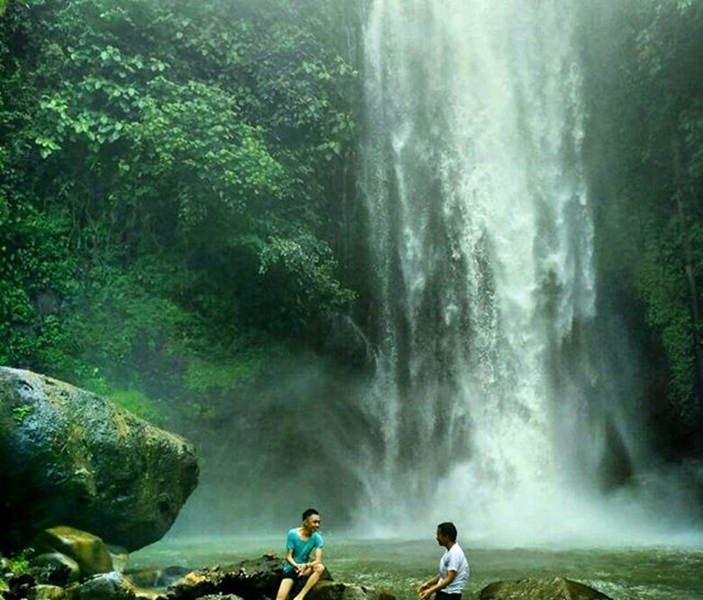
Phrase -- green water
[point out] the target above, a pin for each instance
(653, 573)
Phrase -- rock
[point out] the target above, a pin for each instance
(147, 578)
(149, 594)
(156, 578)
(333, 590)
(120, 557)
(56, 569)
(249, 579)
(20, 586)
(540, 589)
(108, 586)
(87, 550)
(68, 456)
(47, 592)
(170, 574)
(5, 566)
(221, 597)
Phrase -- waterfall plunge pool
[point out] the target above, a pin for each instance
(638, 573)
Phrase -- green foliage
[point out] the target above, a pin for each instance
(168, 172)
(18, 564)
(20, 413)
(647, 104)
(137, 403)
(662, 286)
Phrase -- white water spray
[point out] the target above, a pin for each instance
(491, 393)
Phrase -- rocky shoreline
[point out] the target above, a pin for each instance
(72, 458)
(69, 564)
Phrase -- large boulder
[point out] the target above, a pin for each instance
(555, 588)
(250, 579)
(70, 457)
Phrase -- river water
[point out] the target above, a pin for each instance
(644, 573)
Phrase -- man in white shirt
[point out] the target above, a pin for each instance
(453, 568)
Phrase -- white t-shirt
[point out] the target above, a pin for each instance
(454, 559)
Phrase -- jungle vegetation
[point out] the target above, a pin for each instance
(177, 180)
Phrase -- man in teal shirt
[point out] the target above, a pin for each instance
(300, 544)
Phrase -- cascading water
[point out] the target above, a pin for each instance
(494, 402)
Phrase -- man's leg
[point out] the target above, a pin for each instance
(312, 580)
(285, 588)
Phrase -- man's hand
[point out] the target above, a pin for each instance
(425, 593)
(422, 587)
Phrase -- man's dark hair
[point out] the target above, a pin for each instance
(308, 512)
(448, 529)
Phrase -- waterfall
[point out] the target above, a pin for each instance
(494, 399)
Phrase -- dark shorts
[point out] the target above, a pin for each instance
(444, 596)
(292, 575)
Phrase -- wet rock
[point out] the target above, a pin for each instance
(149, 594)
(108, 586)
(55, 568)
(47, 592)
(147, 578)
(249, 579)
(156, 578)
(68, 456)
(556, 588)
(20, 586)
(87, 550)
(333, 590)
(120, 557)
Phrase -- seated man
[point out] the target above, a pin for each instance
(301, 542)
(453, 568)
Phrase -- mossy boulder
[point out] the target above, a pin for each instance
(71, 457)
(87, 550)
(556, 588)
(55, 568)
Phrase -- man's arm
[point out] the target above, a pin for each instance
(290, 561)
(427, 584)
(307, 567)
(318, 556)
(439, 585)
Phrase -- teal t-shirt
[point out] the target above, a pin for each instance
(301, 548)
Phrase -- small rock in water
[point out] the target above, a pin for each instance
(107, 586)
(556, 588)
(47, 592)
(55, 568)
(156, 578)
(120, 557)
(87, 550)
